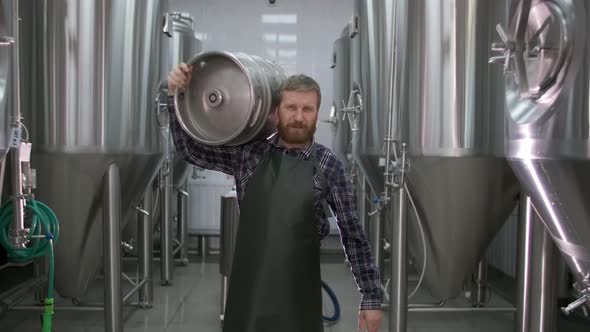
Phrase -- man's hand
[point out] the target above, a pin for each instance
(370, 320)
(178, 78)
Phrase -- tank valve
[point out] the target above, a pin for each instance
(575, 305)
(584, 299)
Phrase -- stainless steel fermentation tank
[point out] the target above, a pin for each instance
(450, 104)
(340, 95)
(369, 81)
(545, 51)
(89, 78)
(445, 100)
(6, 45)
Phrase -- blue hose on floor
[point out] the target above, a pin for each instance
(335, 303)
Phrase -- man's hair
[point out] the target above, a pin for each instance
(299, 83)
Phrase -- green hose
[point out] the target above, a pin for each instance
(43, 232)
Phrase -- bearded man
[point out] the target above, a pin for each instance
(286, 184)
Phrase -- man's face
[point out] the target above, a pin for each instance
(297, 116)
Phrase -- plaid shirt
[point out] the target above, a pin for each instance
(241, 162)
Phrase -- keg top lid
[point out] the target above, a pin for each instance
(214, 100)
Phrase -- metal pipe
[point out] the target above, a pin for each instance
(112, 249)
(523, 300)
(182, 220)
(18, 234)
(440, 308)
(481, 293)
(399, 283)
(135, 289)
(428, 305)
(177, 249)
(12, 296)
(376, 235)
(127, 278)
(166, 249)
(154, 259)
(9, 265)
(40, 270)
(389, 138)
(362, 200)
(354, 118)
(466, 309)
(203, 244)
(56, 308)
(537, 273)
(146, 246)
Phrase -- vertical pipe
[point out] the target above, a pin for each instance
(112, 250)
(398, 295)
(18, 228)
(146, 245)
(537, 273)
(545, 275)
(40, 271)
(523, 305)
(362, 201)
(525, 212)
(166, 250)
(182, 220)
(481, 293)
(375, 235)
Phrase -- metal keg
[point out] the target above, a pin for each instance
(229, 98)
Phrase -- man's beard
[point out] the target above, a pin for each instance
(296, 133)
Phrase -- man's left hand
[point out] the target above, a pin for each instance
(370, 320)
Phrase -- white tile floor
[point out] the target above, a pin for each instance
(192, 304)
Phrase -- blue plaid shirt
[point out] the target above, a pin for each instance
(241, 162)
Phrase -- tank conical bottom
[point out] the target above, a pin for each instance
(463, 203)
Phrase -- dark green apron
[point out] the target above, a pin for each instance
(275, 283)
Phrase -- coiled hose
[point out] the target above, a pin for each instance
(43, 232)
(336, 316)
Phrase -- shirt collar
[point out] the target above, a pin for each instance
(273, 140)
